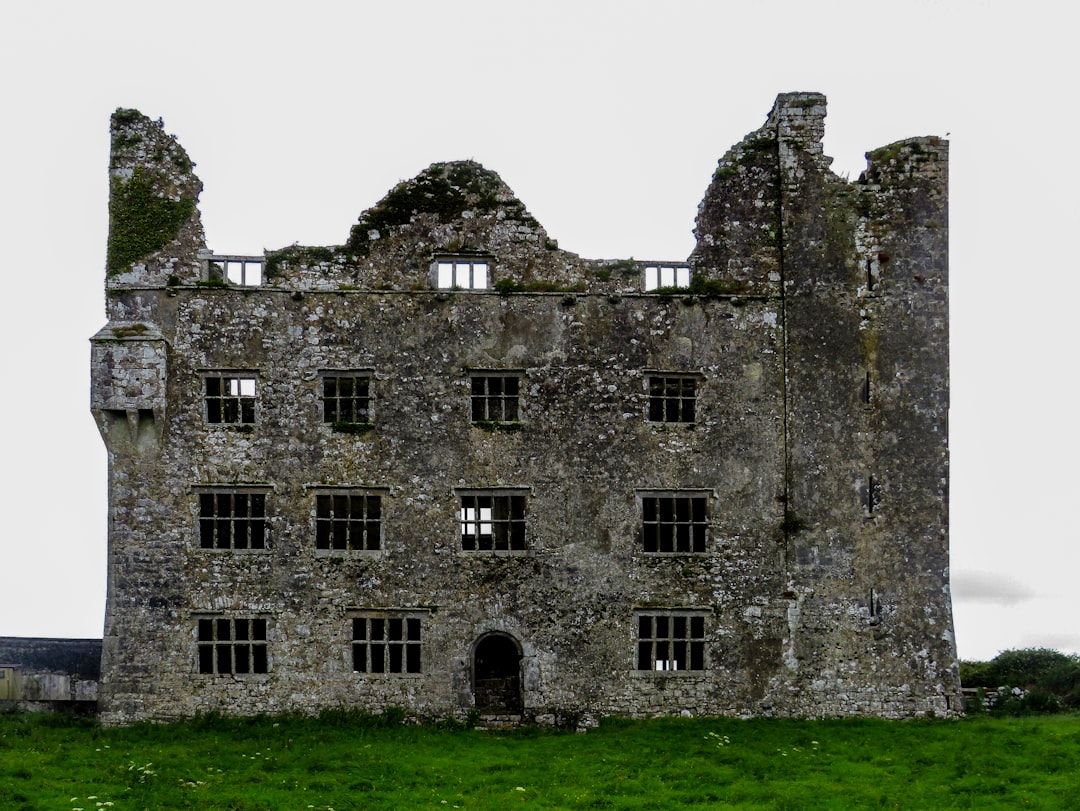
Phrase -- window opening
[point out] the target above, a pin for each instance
(346, 398)
(875, 605)
(467, 274)
(492, 522)
(866, 389)
(348, 521)
(674, 523)
(232, 646)
(494, 398)
(242, 270)
(386, 644)
(666, 276)
(230, 400)
(870, 501)
(672, 398)
(232, 520)
(671, 642)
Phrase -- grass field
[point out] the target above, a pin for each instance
(345, 762)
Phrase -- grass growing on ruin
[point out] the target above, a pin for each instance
(345, 762)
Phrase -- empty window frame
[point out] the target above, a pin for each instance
(386, 642)
(232, 519)
(666, 276)
(672, 396)
(348, 520)
(674, 522)
(670, 641)
(346, 397)
(492, 521)
(234, 645)
(462, 272)
(494, 396)
(230, 398)
(242, 270)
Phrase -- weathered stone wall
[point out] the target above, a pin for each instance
(814, 603)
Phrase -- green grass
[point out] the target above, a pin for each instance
(345, 762)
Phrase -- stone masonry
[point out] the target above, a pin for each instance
(451, 467)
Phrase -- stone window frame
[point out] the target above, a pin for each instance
(235, 269)
(208, 526)
(491, 404)
(658, 275)
(508, 531)
(671, 641)
(688, 517)
(667, 400)
(228, 405)
(350, 492)
(218, 636)
(400, 653)
(462, 271)
(367, 377)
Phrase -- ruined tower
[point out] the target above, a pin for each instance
(451, 467)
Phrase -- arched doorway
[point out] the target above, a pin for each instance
(497, 675)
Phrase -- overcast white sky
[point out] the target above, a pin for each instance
(606, 119)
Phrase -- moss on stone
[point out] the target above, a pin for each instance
(131, 331)
(443, 189)
(141, 220)
(297, 255)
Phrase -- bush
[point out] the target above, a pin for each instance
(1028, 680)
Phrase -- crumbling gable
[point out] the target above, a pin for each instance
(451, 466)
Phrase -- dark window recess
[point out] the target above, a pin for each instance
(492, 522)
(672, 399)
(674, 523)
(494, 398)
(875, 605)
(867, 390)
(230, 400)
(386, 644)
(232, 646)
(871, 496)
(350, 521)
(232, 520)
(869, 274)
(671, 642)
(346, 398)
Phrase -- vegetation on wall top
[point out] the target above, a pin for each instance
(443, 189)
(141, 220)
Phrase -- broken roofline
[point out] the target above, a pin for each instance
(461, 211)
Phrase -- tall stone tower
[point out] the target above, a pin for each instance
(449, 466)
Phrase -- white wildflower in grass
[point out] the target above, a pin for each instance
(719, 740)
(519, 788)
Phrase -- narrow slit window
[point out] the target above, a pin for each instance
(872, 496)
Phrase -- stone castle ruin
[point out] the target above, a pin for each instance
(451, 467)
